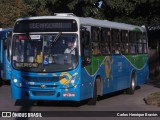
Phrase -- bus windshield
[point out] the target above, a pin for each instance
(45, 52)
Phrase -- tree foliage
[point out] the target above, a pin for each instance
(10, 10)
(134, 11)
(139, 12)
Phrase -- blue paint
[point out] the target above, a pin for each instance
(4, 61)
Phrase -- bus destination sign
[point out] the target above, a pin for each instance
(45, 25)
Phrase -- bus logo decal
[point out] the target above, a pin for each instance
(108, 66)
(42, 86)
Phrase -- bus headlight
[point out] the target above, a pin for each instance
(15, 80)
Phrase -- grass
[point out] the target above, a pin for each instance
(153, 99)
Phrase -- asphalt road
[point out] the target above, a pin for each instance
(118, 102)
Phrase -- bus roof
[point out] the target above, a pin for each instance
(89, 21)
(5, 29)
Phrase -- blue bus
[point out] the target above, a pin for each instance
(5, 42)
(65, 57)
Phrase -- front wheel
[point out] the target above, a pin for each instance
(131, 90)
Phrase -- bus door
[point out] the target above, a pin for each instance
(86, 77)
(2, 53)
(7, 52)
(5, 63)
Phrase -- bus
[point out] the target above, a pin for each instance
(104, 57)
(5, 42)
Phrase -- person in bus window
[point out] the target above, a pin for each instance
(71, 47)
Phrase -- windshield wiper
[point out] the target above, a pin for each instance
(28, 36)
(56, 38)
(54, 42)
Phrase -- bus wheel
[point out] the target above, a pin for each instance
(131, 90)
(93, 100)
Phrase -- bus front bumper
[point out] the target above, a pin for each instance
(71, 94)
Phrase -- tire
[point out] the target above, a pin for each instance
(131, 90)
(93, 100)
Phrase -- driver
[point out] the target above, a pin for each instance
(71, 47)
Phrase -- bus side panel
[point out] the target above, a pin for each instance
(7, 67)
(121, 72)
(1, 55)
(86, 84)
(139, 64)
(142, 75)
(118, 71)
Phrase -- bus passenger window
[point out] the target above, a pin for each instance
(105, 41)
(139, 42)
(95, 35)
(105, 49)
(95, 48)
(126, 48)
(132, 40)
(86, 51)
(144, 42)
(116, 48)
(133, 48)
(124, 42)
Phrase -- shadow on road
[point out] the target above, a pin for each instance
(27, 104)
(48, 103)
(25, 109)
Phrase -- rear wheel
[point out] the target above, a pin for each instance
(131, 90)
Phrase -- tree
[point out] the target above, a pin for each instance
(10, 10)
(134, 11)
(137, 12)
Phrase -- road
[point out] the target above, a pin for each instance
(112, 102)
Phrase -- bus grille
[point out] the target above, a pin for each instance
(47, 86)
(41, 79)
(43, 93)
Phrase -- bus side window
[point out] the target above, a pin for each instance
(105, 41)
(132, 42)
(139, 42)
(9, 45)
(85, 48)
(116, 48)
(144, 43)
(124, 42)
(95, 36)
